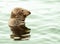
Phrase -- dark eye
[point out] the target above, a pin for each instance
(24, 15)
(22, 10)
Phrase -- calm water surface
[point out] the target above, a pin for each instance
(44, 21)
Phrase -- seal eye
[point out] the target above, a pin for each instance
(22, 10)
(24, 15)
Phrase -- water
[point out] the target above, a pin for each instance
(44, 21)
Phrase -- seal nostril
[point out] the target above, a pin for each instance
(29, 12)
(22, 20)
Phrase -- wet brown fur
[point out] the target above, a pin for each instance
(17, 22)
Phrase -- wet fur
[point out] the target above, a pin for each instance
(17, 22)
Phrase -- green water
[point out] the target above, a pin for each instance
(44, 21)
